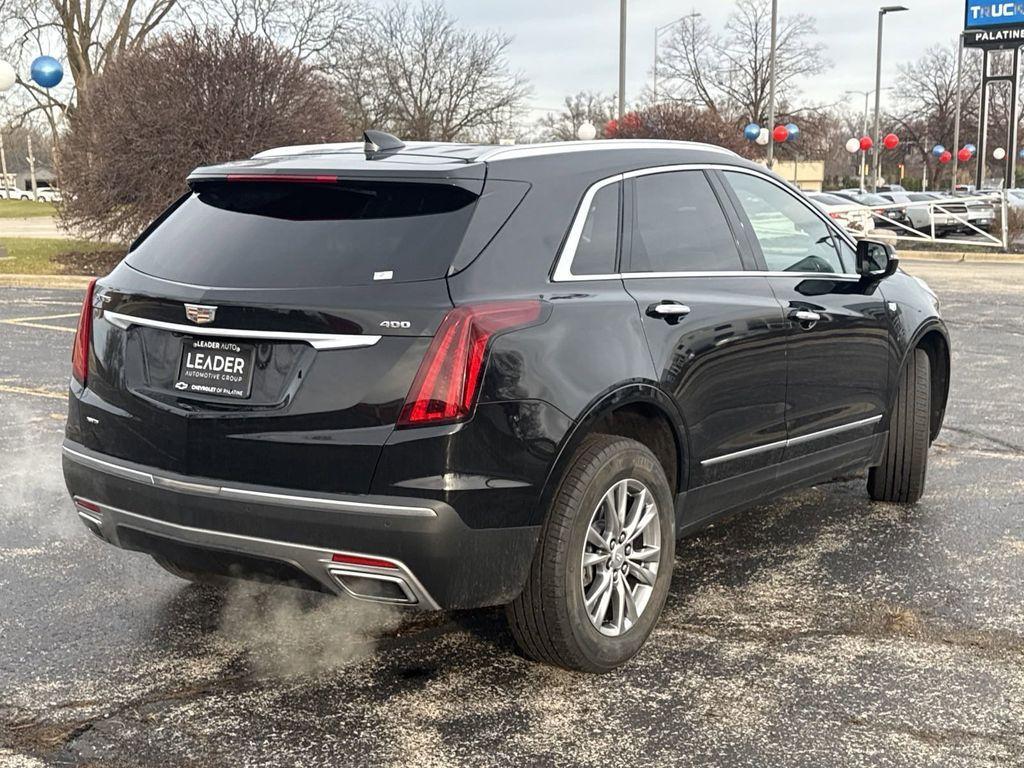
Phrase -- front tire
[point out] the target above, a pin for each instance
(603, 564)
(901, 475)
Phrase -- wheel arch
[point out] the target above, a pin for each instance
(640, 411)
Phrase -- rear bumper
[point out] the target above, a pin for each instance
(411, 551)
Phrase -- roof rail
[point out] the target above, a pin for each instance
(559, 147)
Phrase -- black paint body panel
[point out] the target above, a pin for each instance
(735, 374)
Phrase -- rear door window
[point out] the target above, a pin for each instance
(302, 234)
(679, 226)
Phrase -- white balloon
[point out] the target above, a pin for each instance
(7, 76)
(763, 137)
(852, 145)
(586, 132)
(999, 153)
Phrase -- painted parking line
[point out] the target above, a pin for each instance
(33, 392)
(31, 322)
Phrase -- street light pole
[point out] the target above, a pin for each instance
(622, 58)
(878, 92)
(771, 83)
(693, 15)
(956, 118)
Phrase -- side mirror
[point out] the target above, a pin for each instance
(876, 259)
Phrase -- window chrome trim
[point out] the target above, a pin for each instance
(315, 340)
(563, 264)
(206, 489)
(799, 440)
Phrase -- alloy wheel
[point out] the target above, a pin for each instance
(620, 557)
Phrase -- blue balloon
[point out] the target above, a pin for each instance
(752, 131)
(794, 132)
(971, 148)
(1021, 154)
(47, 71)
(938, 149)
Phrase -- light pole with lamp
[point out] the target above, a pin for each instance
(622, 58)
(864, 132)
(693, 16)
(878, 91)
(771, 81)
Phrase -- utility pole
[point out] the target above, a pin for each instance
(771, 83)
(956, 118)
(32, 168)
(622, 58)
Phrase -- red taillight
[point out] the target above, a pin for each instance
(80, 351)
(371, 562)
(447, 382)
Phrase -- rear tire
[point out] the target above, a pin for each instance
(562, 616)
(197, 577)
(901, 475)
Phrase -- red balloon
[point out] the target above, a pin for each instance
(781, 133)
(945, 157)
(866, 143)
(964, 155)
(611, 128)
(891, 141)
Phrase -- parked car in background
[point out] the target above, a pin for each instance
(13, 193)
(980, 213)
(919, 209)
(854, 218)
(450, 376)
(48, 195)
(877, 204)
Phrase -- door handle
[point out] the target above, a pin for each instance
(672, 311)
(806, 317)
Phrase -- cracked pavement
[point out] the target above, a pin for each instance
(818, 630)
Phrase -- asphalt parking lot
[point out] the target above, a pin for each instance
(819, 630)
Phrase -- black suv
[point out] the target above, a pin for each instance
(450, 376)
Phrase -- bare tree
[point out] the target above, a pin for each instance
(925, 111)
(161, 110)
(685, 122)
(583, 107)
(442, 82)
(729, 73)
(312, 30)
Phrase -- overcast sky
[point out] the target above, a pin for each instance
(565, 46)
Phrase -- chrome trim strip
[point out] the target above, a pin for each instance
(832, 430)
(563, 263)
(265, 497)
(745, 452)
(316, 562)
(790, 441)
(315, 340)
(115, 469)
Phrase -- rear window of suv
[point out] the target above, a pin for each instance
(252, 234)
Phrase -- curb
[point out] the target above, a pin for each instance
(43, 281)
(960, 257)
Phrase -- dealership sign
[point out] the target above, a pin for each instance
(991, 24)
